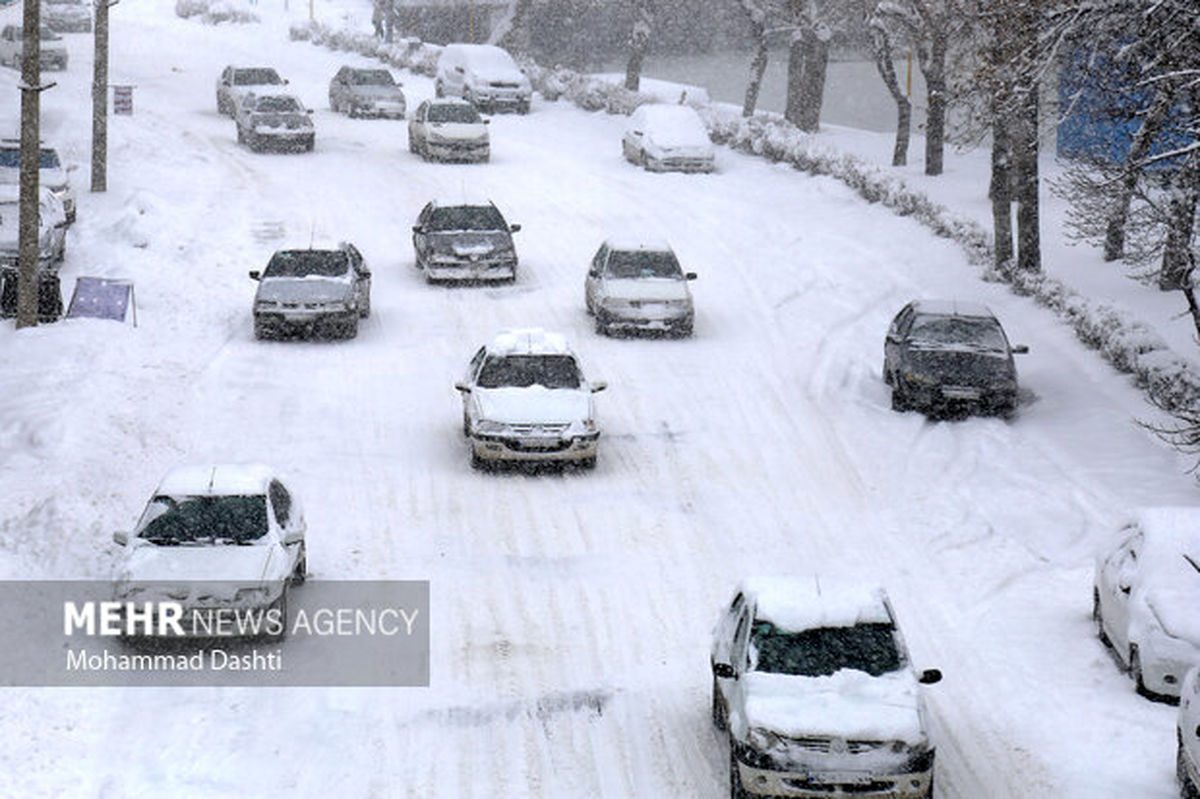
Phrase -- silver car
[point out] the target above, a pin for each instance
(320, 292)
(361, 92)
(275, 122)
(52, 52)
(236, 82)
(67, 16)
(448, 130)
(464, 242)
(639, 285)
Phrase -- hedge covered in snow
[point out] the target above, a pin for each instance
(214, 12)
(1126, 343)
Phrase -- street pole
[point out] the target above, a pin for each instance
(27, 235)
(100, 99)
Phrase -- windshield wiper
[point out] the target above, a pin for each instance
(1193, 563)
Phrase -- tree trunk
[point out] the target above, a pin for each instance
(1000, 191)
(638, 41)
(812, 91)
(1181, 226)
(757, 67)
(935, 91)
(1156, 115)
(795, 79)
(882, 50)
(1025, 150)
(516, 38)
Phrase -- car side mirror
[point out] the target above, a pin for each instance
(930, 676)
(286, 81)
(463, 387)
(255, 274)
(61, 224)
(1198, 730)
(418, 229)
(1125, 589)
(513, 228)
(121, 537)
(1020, 349)
(636, 132)
(486, 121)
(724, 671)
(689, 276)
(458, 70)
(599, 385)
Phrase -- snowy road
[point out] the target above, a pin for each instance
(571, 612)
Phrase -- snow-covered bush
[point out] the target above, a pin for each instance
(214, 12)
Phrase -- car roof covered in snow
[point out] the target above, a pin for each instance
(464, 198)
(447, 101)
(233, 479)
(1169, 563)
(626, 242)
(806, 603)
(952, 308)
(528, 341)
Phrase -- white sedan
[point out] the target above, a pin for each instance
(665, 138)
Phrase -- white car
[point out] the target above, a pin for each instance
(525, 399)
(814, 685)
(213, 538)
(52, 228)
(639, 285)
(484, 75)
(1146, 595)
(52, 50)
(275, 122)
(665, 138)
(448, 130)
(236, 82)
(51, 173)
(65, 16)
(1187, 734)
(366, 92)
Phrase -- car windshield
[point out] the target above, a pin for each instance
(10, 158)
(956, 331)
(642, 264)
(171, 521)
(453, 112)
(372, 77)
(257, 77)
(820, 652)
(302, 263)
(521, 371)
(466, 217)
(276, 105)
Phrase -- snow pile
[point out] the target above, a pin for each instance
(214, 12)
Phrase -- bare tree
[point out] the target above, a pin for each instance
(883, 53)
(759, 12)
(639, 40)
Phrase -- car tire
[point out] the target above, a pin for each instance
(1135, 671)
(736, 791)
(601, 326)
(281, 605)
(311, 145)
(477, 463)
(1098, 619)
(588, 463)
(720, 719)
(261, 331)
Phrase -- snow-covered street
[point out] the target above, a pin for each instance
(571, 611)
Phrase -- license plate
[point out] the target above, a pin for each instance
(961, 393)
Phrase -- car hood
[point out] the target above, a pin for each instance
(962, 366)
(501, 74)
(848, 704)
(303, 289)
(647, 289)
(378, 93)
(534, 404)
(464, 244)
(1175, 609)
(287, 120)
(237, 565)
(457, 130)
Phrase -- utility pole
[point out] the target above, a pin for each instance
(100, 99)
(27, 236)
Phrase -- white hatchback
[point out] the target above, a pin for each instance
(665, 138)
(639, 285)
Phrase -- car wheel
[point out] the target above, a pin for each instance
(899, 401)
(312, 143)
(1096, 617)
(241, 136)
(477, 463)
(736, 791)
(364, 310)
(1135, 671)
(719, 719)
(588, 463)
(350, 329)
(261, 331)
(412, 145)
(281, 606)
(300, 573)
(601, 326)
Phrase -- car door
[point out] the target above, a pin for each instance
(1118, 578)
(472, 374)
(591, 284)
(337, 89)
(739, 659)
(421, 235)
(894, 340)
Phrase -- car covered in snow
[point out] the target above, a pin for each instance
(525, 400)
(1146, 596)
(484, 75)
(52, 228)
(216, 537)
(668, 138)
(67, 16)
(278, 122)
(813, 683)
(448, 130)
(236, 82)
(52, 50)
(464, 240)
(1187, 736)
(314, 291)
(51, 173)
(635, 284)
(950, 357)
(366, 92)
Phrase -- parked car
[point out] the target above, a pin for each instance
(51, 173)
(668, 138)
(525, 399)
(1145, 597)
(67, 16)
(366, 92)
(236, 82)
(52, 52)
(448, 130)
(814, 685)
(945, 356)
(52, 228)
(275, 122)
(1187, 736)
(314, 291)
(213, 537)
(456, 240)
(484, 75)
(639, 285)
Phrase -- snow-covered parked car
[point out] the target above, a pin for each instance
(464, 240)
(1187, 735)
(67, 16)
(236, 82)
(313, 291)
(52, 228)
(52, 50)
(813, 682)
(945, 356)
(448, 130)
(366, 92)
(212, 537)
(1146, 597)
(275, 122)
(525, 399)
(51, 173)
(638, 285)
(668, 138)
(484, 75)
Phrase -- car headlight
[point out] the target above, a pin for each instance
(490, 427)
(444, 258)
(919, 379)
(266, 304)
(764, 740)
(615, 304)
(251, 596)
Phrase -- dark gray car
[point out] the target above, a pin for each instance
(363, 92)
(464, 242)
(320, 292)
(947, 357)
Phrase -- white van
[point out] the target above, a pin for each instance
(484, 75)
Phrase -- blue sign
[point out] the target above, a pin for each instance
(101, 298)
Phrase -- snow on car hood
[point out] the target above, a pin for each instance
(1175, 608)
(457, 131)
(303, 289)
(534, 404)
(848, 704)
(467, 243)
(235, 564)
(379, 93)
(647, 289)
